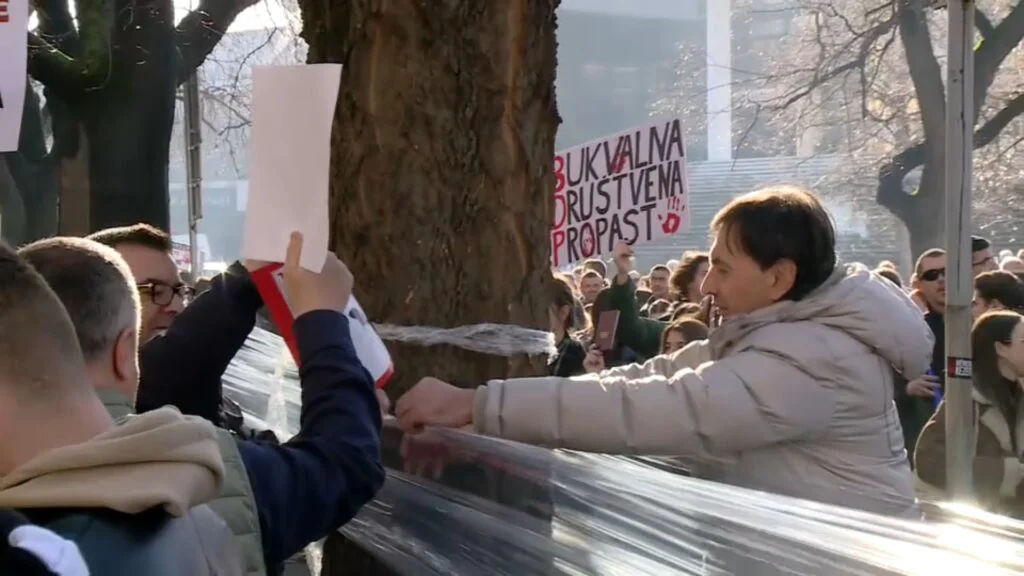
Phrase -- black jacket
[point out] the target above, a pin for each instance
(569, 359)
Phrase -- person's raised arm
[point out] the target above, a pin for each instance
(314, 483)
(183, 367)
(642, 335)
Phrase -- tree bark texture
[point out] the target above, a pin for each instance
(441, 169)
(441, 176)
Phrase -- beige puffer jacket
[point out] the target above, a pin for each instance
(796, 399)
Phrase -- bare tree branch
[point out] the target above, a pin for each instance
(200, 30)
(924, 68)
(983, 23)
(53, 68)
(994, 49)
(995, 125)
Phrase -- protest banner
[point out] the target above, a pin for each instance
(13, 70)
(630, 186)
(182, 255)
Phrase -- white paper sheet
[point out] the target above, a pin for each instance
(292, 114)
(13, 63)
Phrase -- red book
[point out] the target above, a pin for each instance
(370, 349)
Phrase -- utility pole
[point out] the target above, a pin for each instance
(959, 276)
(193, 169)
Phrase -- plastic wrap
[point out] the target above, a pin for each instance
(457, 503)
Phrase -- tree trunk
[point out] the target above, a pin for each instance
(926, 220)
(123, 130)
(34, 172)
(921, 211)
(441, 172)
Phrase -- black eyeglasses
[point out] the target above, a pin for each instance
(163, 294)
(933, 274)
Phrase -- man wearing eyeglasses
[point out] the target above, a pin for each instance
(148, 253)
(163, 295)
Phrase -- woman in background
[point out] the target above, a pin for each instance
(562, 318)
(998, 343)
(681, 332)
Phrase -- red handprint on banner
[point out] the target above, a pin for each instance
(672, 219)
(587, 243)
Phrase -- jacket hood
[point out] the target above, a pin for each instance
(160, 458)
(858, 302)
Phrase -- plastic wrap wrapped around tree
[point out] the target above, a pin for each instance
(441, 172)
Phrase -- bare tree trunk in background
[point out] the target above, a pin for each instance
(441, 174)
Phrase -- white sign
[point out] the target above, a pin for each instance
(629, 186)
(13, 70)
(292, 115)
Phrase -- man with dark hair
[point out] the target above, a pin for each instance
(915, 400)
(147, 250)
(124, 495)
(997, 290)
(182, 365)
(982, 258)
(790, 394)
(276, 499)
(660, 289)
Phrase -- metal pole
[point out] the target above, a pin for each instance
(959, 277)
(193, 170)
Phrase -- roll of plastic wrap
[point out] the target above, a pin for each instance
(461, 504)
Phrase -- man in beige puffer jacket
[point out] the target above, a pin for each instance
(793, 394)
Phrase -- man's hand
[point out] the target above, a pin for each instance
(622, 256)
(432, 402)
(594, 362)
(923, 387)
(307, 291)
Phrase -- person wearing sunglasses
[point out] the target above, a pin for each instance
(916, 402)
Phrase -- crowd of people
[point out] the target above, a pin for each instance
(766, 363)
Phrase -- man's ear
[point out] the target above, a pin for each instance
(783, 278)
(126, 355)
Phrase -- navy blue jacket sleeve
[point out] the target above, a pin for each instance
(183, 367)
(317, 481)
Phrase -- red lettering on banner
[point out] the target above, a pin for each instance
(5, 12)
(559, 173)
(557, 241)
